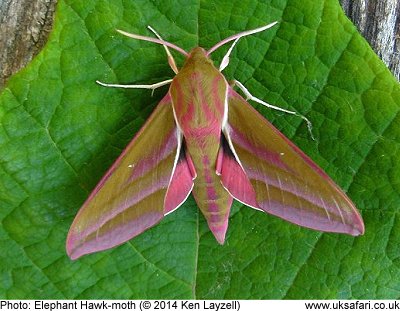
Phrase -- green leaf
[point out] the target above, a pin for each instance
(60, 132)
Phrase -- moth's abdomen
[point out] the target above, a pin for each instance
(216, 213)
(212, 198)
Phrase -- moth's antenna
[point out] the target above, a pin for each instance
(240, 35)
(154, 40)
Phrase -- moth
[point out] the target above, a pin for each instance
(206, 139)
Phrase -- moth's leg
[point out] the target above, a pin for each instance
(249, 96)
(171, 60)
(225, 59)
(137, 86)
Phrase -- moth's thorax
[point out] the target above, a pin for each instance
(198, 94)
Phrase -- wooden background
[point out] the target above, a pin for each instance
(25, 25)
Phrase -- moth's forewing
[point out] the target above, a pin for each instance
(130, 197)
(287, 183)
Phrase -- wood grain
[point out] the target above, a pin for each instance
(379, 22)
(24, 29)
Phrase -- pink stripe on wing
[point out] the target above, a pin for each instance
(260, 152)
(149, 163)
(116, 237)
(128, 202)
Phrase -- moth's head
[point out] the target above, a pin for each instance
(198, 55)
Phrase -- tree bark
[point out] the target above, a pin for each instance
(379, 22)
(25, 26)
